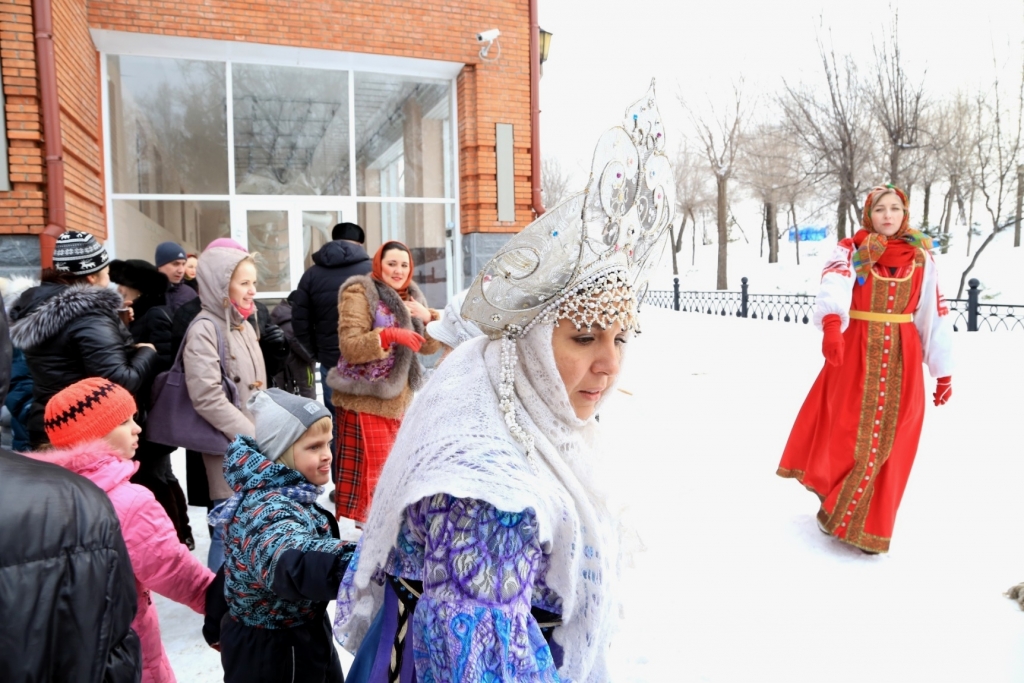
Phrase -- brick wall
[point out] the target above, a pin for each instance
(489, 93)
(21, 209)
(78, 83)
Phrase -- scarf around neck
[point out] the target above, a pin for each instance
(454, 440)
(892, 252)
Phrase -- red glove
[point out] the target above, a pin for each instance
(397, 335)
(943, 390)
(832, 345)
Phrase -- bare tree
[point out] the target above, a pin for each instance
(720, 136)
(997, 152)
(692, 197)
(833, 128)
(955, 139)
(897, 104)
(554, 182)
(770, 166)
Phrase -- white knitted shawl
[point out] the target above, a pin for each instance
(454, 440)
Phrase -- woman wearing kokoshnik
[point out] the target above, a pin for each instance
(883, 317)
(490, 552)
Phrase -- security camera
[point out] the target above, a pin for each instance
(488, 36)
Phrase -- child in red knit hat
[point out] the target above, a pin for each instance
(92, 429)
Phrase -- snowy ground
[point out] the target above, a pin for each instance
(736, 583)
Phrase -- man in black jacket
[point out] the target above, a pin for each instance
(67, 590)
(315, 302)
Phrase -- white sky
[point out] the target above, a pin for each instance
(603, 54)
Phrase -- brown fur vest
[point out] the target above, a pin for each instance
(371, 379)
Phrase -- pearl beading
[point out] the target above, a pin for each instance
(604, 298)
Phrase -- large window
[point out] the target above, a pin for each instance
(204, 149)
(291, 130)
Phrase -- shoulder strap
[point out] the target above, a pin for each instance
(221, 350)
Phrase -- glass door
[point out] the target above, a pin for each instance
(286, 232)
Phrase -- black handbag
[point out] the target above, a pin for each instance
(173, 420)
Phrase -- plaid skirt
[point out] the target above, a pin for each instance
(363, 444)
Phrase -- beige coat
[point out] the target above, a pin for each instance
(359, 342)
(201, 359)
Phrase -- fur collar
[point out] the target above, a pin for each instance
(377, 291)
(94, 460)
(45, 319)
(14, 288)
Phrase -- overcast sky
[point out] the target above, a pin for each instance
(604, 53)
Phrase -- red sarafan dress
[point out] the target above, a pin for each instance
(855, 438)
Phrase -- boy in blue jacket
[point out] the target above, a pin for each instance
(283, 559)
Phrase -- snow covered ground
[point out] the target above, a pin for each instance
(736, 583)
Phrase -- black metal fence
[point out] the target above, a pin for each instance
(968, 314)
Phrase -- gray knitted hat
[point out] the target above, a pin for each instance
(281, 419)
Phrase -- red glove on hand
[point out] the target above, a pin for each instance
(943, 390)
(397, 335)
(832, 346)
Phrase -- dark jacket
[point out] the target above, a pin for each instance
(271, 338)
(19, 401)
(67, 590)
(178, 295)
(152, 316)
(17, 384)
(315, 304)
(296, 374)
(69, 333)
(6, 353)
(283, 564)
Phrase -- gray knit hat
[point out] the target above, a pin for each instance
(79, 253)
(281, 419)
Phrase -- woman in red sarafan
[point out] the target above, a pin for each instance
(883, 317)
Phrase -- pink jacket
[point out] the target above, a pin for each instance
(160, 561)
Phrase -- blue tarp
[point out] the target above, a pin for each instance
(809, 234)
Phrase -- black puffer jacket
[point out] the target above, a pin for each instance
(67, 591)
(315, 302)
(69, 333)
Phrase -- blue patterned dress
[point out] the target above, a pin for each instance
(483, 612)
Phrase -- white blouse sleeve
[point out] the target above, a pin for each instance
(933, 323)
(836, 291)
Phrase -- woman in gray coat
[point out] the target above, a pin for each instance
(227, 290)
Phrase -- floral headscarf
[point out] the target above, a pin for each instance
(871, 246)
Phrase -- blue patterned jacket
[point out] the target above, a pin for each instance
(282, 556)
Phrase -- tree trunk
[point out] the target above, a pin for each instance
(675, 262)
(840, 218)
(772, 226)
(723, 232)
(693, 240)
(764, 219)
(949, 216)
(1020, 200)
(796, 231)
(970, 223)
(927, 203)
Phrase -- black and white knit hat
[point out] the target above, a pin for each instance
(79, 253)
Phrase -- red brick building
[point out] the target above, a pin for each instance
(268, 121)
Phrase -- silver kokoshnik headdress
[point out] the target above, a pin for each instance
(587, 260)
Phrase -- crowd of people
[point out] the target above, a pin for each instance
(487, 548)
